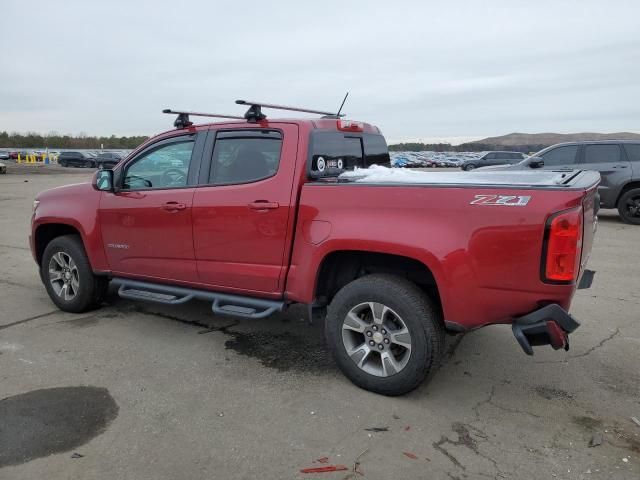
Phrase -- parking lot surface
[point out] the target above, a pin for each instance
(136, 390)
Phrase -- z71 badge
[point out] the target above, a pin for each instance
(505, 200)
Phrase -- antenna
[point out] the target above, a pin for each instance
(255, 114)
(182, 121)
(342, 104)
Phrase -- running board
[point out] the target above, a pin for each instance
(223, 303)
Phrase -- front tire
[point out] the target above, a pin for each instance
(469, 167)
(629, 206)
(68, 277)
(385, 333)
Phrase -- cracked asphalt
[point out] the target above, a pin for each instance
(141, 391)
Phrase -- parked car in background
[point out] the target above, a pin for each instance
(493, 158)
(77, 159)
(4, 155)
(618, 162)
(108, 159)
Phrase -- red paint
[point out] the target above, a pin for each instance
(410, 455)
(328, 468)
(269, 238)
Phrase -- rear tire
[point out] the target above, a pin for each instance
(629, 206)
(402, 322)
(68, 277)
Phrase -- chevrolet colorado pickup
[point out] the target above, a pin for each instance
(256, 214)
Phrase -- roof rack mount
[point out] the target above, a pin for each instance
(254, 114)
(182, 121)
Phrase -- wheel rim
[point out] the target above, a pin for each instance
(470, 167)
(64, 276)
(633, 206)
(376, 339)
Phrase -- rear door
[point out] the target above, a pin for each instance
(147, 225)
(615, 170)
(243, 211)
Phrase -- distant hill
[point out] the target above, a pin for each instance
(518, 139)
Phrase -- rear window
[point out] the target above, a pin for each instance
(334, 152)
(633, 151)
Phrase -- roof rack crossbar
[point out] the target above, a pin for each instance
(255, 110)
(182, 121)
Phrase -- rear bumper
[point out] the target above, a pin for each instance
(550, 325)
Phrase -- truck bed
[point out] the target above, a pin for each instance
(546, 178)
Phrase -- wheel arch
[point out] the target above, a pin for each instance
(627, 186)
(46, 232)
(339, 267)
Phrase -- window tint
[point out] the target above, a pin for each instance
(333, 151)
(601, 154)
(376, 150)
(517, 156)
(490, 156)
(245, 156)
(633, 151)
(560, 156)
(163, 167)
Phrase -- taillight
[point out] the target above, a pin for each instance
(563, 247)
(350, 126)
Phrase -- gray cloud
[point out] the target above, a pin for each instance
(416, 69)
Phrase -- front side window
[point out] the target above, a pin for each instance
(245, 156)
(601, 154)
(163, 167)
(560, 156)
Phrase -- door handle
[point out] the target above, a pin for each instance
(262, 205)
(619, 166)
(173, 206)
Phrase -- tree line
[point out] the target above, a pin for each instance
(54, 140)
(464, 147)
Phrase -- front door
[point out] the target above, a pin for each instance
(560, 158)
(147, 224)
(243, 216)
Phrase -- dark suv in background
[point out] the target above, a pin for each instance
(618, 162)
(493, 158)
(77, 159)
(108, 159)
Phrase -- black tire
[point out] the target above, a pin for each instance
(422, 319)
(629, 206)
(62, 163)
(471, 166)
(89, 164)
(91, 288)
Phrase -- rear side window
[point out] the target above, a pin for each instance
(245, 156)
(560, 156)
(601, 154)
(633, 151)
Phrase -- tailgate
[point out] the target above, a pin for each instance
(590, 206)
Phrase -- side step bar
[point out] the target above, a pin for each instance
(223, 303)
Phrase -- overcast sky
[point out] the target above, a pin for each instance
(418, 70)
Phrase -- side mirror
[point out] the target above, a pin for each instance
(103, 180)
(536, 162)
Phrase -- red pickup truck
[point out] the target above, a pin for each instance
(256, 214)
